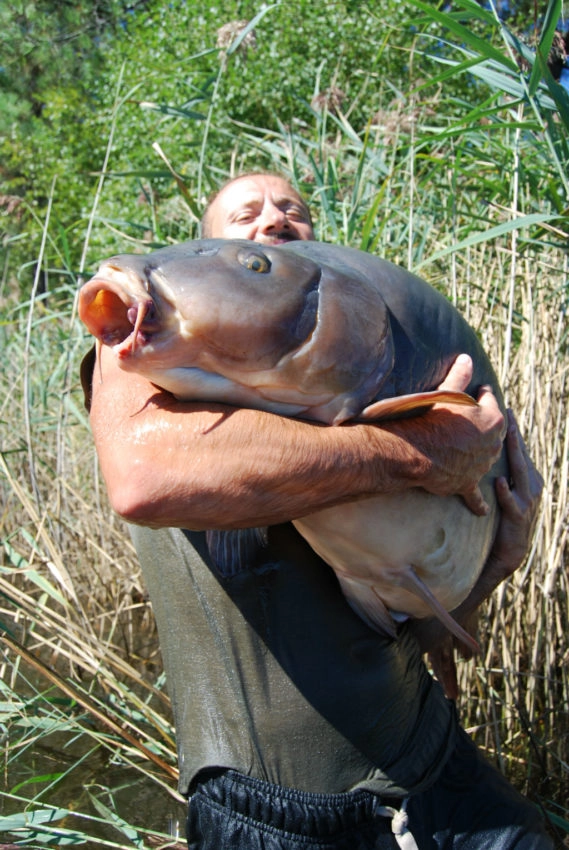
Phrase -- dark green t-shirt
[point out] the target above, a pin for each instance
(272, 674)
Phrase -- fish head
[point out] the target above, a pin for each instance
(219, 299)
(244, 323)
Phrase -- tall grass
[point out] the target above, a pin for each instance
(476, 205)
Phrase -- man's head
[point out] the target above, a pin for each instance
(263, 207)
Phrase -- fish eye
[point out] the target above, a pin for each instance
(255, 262)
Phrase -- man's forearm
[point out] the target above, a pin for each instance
(168, 463)
(171, 463)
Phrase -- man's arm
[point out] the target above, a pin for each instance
(168, 463)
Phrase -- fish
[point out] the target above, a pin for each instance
(328, 334)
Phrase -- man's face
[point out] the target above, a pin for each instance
(264, 208)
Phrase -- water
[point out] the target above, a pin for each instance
(71, 771)
(54, 756)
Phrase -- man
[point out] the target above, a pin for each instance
(297, 725)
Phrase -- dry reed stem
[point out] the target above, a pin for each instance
(522, 701)
(514, 697)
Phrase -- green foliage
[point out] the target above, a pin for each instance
(524, 89)
(185, 114)
(173, 80)
(47, 44)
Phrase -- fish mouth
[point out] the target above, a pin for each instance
(124, 317)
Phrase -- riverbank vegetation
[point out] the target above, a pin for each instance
(436, 139)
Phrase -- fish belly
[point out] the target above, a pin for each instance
(385, 548)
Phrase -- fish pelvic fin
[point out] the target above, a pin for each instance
(388, 408)
(366, 602)
(234, 551)
(413, 584)
(363, 599)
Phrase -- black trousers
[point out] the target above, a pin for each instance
(470, 807)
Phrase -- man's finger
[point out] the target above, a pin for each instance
(474, 500)
(487, 399)
(460, 374)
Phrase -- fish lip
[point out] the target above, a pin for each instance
(130, 326)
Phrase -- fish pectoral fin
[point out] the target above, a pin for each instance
(390, 407)
(411, 582)
(363, 599)
(236, 550)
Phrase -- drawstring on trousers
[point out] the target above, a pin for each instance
(400, 825)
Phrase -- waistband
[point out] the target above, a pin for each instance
(321, 816)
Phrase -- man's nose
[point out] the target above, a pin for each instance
(273, 218)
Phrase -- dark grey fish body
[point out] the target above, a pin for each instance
(319, 332)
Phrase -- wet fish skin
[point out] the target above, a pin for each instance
(264, 338)
(319, 332)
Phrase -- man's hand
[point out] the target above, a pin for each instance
(519, 503)
(466, 442)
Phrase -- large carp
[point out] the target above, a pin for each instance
(324, 333)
